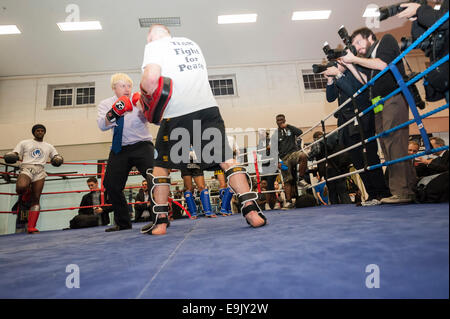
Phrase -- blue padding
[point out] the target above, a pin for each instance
(190, 203)
(206, 202)
(226, 201)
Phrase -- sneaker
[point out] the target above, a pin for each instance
(287, 205)
(396, 199)
(372, 202)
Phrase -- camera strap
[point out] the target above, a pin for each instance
(371, 54)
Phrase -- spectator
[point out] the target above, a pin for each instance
(280, 197)
(321, 191)
(433, 187)
(269, 159)
(354, 191)
(264, 201)
(91, 216)
(413, 147)
(290, 155)
(338, 165)
(437, 165)
(143, 212)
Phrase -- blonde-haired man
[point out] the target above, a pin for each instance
(132, 145)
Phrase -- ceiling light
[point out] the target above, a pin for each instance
(79, 26)
(371, 12)
(311, 15)
(237, 18)
(9, 29)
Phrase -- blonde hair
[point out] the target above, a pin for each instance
(120, 77)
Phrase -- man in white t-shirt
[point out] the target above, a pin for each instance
(34, 153)
(191, 117)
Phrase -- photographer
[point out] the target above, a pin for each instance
(375, 56)
(342, 85)
(424, 17)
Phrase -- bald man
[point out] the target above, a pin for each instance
(191, 117)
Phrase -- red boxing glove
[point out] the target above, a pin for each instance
(136, 97)
(122, 105)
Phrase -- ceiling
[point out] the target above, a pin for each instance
(43, 49)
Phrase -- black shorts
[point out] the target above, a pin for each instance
(204, 130)
(193, 170)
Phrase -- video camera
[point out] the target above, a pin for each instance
(392, 10)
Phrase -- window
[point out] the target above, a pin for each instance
(85, 96)
(62, 97)
(70, 95)
(313, 81)
(222, 86)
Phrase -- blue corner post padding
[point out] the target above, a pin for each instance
(190, 203)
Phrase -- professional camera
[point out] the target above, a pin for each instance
(392, 10)
(435, 41)
(343, 34)
(319, 68)
(333, 54)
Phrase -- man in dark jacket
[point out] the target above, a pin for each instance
(143, 212)
(341, 85)
(437, 165)
(91, 216)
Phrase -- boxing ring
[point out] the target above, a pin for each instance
(315, 252)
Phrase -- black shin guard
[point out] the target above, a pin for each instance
(158, 209)
(245, 197)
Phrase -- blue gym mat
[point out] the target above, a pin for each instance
(318, 252)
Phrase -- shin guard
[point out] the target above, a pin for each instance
(225, 207)
(245, 197)
(190, 203)
(158, 209)
(206, 203)
(32, 219)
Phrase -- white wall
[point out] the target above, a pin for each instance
(263, 90)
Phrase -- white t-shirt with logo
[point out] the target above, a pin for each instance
(181, 59)
(34, 152)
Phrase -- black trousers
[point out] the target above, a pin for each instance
(140, 155)
(373, 180)
(337, 189)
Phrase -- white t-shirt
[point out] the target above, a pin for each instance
(34, 152)
(181, 60)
